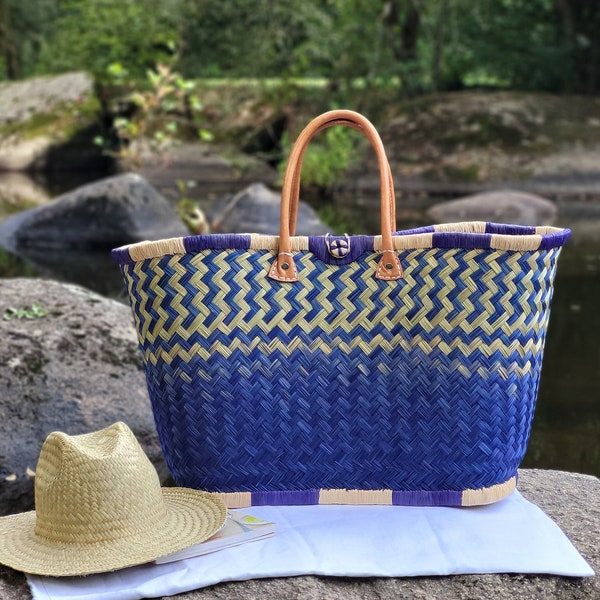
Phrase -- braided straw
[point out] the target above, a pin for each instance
(100, 507)
(404, 370)
(344, 381)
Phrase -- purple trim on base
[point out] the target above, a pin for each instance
(285, 498)
(398, 497)
(427, 498)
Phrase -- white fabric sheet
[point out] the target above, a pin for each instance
(511, 536)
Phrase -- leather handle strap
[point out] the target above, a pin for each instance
(295, 197)
(284, 268)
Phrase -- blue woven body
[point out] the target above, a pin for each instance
(342, 380)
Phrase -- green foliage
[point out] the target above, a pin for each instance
(247, 38)
(65, 120)
(339, 222)
(10, 264)
(510, 43)
(166, 106)
(406, 46)
(93, 34)
(35, 311)
(24, 30)
(189, 210)
(328, 158)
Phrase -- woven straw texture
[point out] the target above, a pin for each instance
(341, 380)
(100, 507)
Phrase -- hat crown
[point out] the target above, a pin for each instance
(96, 486)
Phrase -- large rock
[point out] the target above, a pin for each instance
(198, 171)
(572, 500)
(25, 154)
(20, 100)
(49, 124)
(19, 192)
(256, 208)
(504, 206)
(77, 369)
(101, 215)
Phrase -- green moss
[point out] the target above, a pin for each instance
(13, 266)
(60, 124)
(481, 130)
(35, 363)
(467, 174)
(13, 207)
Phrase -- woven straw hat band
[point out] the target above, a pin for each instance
(81, 479)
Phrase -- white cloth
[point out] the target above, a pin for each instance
(511, 536)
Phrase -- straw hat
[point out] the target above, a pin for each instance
(100, 507)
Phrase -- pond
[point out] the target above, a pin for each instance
(566, 429)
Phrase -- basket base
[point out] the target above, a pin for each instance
(384, 497)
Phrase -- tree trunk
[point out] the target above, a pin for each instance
(438, 43)
(580, 23)
(9, 52)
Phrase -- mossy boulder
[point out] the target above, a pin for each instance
(489, 137)
(49, 124)
(70, 362)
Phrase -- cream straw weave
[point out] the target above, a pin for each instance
(100, 507)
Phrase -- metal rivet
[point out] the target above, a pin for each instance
(389, 266)
(285, 266)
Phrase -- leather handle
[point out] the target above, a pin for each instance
(295, 197)
(284, 268)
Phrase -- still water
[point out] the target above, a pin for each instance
(566, 429)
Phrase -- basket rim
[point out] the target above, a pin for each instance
(468, 235)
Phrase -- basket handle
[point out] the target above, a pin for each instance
(284, 268)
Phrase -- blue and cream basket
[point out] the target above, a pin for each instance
(393, 369)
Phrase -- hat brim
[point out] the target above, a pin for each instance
(193, 516)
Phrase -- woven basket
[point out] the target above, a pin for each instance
(392, 369)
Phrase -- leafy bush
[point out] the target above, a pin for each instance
(328, 157)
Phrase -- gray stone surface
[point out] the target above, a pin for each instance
(18, 191)
(216, 170)
(104, 214)
(25, 154)
(572, 500)
(256, 209)
(22, 99)
(502, 206)
(62, 139)
(77, 369)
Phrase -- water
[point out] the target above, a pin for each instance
(566, 429)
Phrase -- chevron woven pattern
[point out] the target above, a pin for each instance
(341, 380)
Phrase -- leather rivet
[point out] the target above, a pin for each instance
(285, 266)
(389, 266)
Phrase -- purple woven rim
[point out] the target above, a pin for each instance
(364, 243)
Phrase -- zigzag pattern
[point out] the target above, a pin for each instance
(342, 380)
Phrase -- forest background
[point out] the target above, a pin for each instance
(409, 46)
